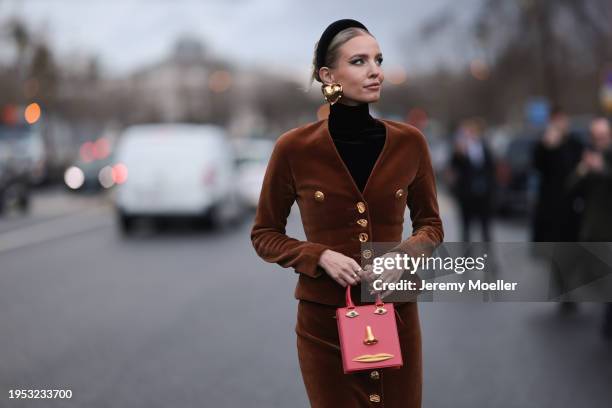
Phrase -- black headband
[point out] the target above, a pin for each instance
(329, 34)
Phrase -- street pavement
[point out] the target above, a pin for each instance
(188, 317)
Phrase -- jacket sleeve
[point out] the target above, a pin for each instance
(427, 231)
(268, 231)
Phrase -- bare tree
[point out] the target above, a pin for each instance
(551, 48)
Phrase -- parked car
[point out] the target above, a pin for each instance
(176, 170)
(89, 176)
(93, 170)
(253, 156)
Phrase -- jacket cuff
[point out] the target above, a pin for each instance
(311, 265)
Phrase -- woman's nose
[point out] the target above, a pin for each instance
(375, 71)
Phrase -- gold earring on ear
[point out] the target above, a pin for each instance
(332, 92)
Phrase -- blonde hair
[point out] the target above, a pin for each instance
(333, 51)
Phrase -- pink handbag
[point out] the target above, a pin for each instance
(368, 335)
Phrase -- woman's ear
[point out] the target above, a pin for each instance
(326, 75)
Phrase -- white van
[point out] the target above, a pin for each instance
(175, 170)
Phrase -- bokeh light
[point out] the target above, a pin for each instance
(32, 113)
(120, 173)
(479, 70)
(105, 177)
(396, 76)
(101, 148)
(74, 177)
(417, 117)
(220, 81)
(9, 114)
(86, 152)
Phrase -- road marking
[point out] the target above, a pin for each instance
(53, 229)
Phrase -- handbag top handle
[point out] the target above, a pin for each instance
(349, 300)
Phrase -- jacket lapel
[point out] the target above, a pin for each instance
(341, 166)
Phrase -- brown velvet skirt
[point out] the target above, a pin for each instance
(321, 364)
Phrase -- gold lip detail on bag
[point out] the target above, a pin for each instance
(373, 358)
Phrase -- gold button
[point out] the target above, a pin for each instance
(374, 398)
(319, 196)
(361, 207)
(399, 193)
(363, 237)
(367, 254)
(375, 375)
(363, 222)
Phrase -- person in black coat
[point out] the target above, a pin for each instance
(557, 211)
(593, 178)
(557, 216)
(474, 178)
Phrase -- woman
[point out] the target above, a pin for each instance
(352, 177)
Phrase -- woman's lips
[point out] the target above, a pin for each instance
(373, 87)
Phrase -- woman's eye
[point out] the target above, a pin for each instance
(359, 61)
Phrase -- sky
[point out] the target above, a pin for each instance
(278, 35)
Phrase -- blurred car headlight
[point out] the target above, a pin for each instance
(105, 177)
(74, 177)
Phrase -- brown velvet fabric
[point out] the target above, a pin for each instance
(304, 162)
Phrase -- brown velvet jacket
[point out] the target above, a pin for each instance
(306, 167)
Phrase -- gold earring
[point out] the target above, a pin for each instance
(332, 92)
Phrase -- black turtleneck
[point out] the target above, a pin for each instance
(359, 139)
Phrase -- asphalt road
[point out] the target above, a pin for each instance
(193, 318)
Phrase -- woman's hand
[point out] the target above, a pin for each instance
(391, 275)
(340, 267)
